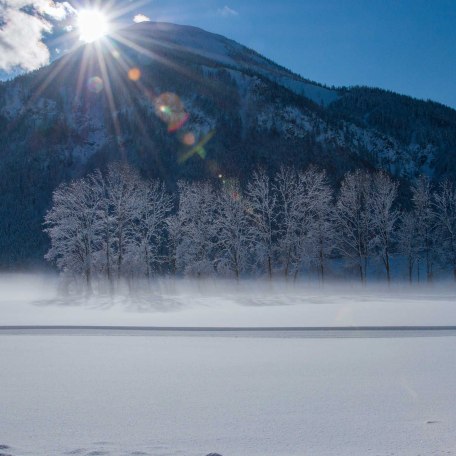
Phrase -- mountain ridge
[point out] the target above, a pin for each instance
(61, 122)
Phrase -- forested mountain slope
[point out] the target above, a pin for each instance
(181, 103)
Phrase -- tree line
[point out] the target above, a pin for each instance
(117, 225)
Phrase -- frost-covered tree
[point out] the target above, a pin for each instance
(423, 211)
(383, 217)
(445, 222)
(318, 219)
(111, 225)
(103, 257)
(174, 231)
(261, 202)
(195, 252)
(151, 208)
(287, 186)
(353, 221)
(74, 225)
(407, 244)
(123, 190)
(234, 236)
(118, 225)
(305, 235)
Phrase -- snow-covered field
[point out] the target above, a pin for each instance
(238, 393)
(114, 395)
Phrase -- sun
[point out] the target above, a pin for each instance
(92, 25)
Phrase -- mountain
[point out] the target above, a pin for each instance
(181, 103)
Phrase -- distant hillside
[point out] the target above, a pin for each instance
(194, 88)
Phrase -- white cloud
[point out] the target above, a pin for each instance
(226, 11)
(141, 18)
(23, 23)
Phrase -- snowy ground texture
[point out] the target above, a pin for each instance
(114, 395)
(245, 393)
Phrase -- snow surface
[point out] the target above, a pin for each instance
(230, 53)
(246, 393)
(34, 300)
(108, 395)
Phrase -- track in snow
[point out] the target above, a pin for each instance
(257, 332)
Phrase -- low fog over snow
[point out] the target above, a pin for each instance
(37, 300)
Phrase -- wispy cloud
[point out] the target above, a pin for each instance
(23, 23)
(141, 18)
(226, 11)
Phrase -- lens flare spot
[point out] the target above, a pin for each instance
(134, 74)
(115, 53)
(189, 139)
(170, 109)
(198, 148)
(201, 151)
(95, 84)
(178, 122)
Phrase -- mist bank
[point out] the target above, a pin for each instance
(34, 299)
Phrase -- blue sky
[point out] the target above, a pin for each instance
(408, 46)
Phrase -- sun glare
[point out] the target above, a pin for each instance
(92, 25)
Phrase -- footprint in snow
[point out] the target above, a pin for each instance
(2, 448)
